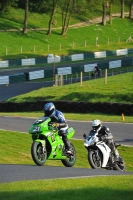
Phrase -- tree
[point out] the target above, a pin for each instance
(122, 9)
(111, 2)
(53, 10)
(67, 9)
(26, 16)
(5, 4)
(131, 10)
(105, 5)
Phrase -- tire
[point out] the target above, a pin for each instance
(120, 166)
(37, 153)
(70, 160)
(94, 161)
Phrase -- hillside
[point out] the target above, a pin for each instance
(85, 27)
(117, 89)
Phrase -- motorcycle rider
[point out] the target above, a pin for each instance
(58, 120)
(105, 135)
(96, 71)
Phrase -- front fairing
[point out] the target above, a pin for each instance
(70, 132)
(91, 139)
(40, 125)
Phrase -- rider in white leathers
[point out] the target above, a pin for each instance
(106, 136)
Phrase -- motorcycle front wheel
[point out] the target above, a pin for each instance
(94, 159)
(70, 159)
(39, 155)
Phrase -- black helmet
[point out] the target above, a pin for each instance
(96, 124)
(49, 109)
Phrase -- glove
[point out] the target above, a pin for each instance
(55, 124)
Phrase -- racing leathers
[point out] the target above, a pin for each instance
(59, 121)
(105, 135)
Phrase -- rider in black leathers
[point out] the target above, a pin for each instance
(105, 135)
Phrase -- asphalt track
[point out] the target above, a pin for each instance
(13, 90)
(11, 173)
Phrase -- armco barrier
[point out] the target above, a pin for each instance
(70, 107)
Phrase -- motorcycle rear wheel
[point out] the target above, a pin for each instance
(94, 160)
(38, 156)
(120, 166)
(70, 160)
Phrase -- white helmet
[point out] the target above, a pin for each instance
(96, 124)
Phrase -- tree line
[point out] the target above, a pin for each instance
(68, 8)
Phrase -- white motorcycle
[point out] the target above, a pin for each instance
(100, 155)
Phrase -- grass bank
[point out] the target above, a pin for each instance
(118, 88)
(111, 188)
(36, 43)
(75, 116)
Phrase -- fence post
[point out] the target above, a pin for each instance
(81, 77)
(56, 79)
(76, 77)
(105, 76)
(61, 79)
(85, 43)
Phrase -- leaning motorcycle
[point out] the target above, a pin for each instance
(100, 155)
(48, 145)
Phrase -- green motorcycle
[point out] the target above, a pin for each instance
(48, 145)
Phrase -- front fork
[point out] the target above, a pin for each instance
(97, 153)
(43, 143)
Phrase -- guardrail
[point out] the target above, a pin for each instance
(70, 70)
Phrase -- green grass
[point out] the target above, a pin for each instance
(117, 89)
(75, 116)
(37, 43)
(14, 42)
(111, 188)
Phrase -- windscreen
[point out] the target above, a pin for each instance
(40, 120)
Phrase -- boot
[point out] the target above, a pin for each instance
(67, 145)
(117, 156)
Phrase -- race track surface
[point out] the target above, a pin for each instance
(11, 173)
